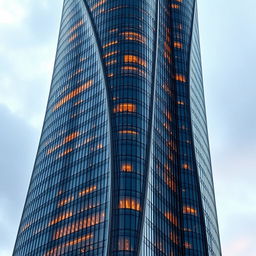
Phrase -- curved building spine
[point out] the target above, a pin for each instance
(123, 165)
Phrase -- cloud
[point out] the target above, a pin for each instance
(228, 50)
(11, 12)
(27, 51)
(27, 55)
(18, 146)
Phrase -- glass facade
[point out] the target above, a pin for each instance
(123, 165)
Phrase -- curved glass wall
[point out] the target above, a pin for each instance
(118, 170)
(201, 143)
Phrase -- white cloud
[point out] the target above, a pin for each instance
(12, 12)
(27, 56)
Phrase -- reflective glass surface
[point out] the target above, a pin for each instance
(123, 165)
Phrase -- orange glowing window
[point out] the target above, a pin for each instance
(110, 54)
(180, 78)
(189, 210)
(187, 245)
(125, 107)
(128, 132)
(87, 191)
(171, 218)
(129, 203)
(178, 45)
(175, 6)
(112, 62)
(168, 115)
(113, 30)
(67, 151)
(61, 218)
(124, 244)
(109, 44)
(72, 94)
(98, 4)
(186, 166)
(76, 73)
(170, 183)
(26, 226)
(99, 146)
(130, 68)
(76, 26)
(73, 37)
(66, 201)
(80, 225)
(127, 168)
(79, 240)
(58, 250)
(134, 36)
(134, 59)
(174, 238)
(71, 137)
(110, 74)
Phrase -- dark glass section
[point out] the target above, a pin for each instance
(123, 166)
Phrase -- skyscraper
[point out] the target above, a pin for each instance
(123, 165)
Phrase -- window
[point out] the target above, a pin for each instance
(125, 107)
(127, 168)
(129, 203)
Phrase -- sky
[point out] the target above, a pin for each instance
(29, 31)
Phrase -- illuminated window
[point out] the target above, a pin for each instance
(134, 37)
(124, 244)
(125, 107)
(76, 26)
(67, 151)
(98, 4)
(110, 54)
(26, 226)
(127, 168)
(170, 183)
(111, 62)
(180, 78)
(168, 115)
(80, 225)
(128, 132)
(130, 68)
(174, 238)
(66, 201)
(57, 250)
(113, 30)
(73, 94)
(73, 37)
(186, 166)
(189, 210)
(76, 73)
(109, 44)
(87, 191)
(175, 6)
(61, 218)
(178, 45)
(129, 203)
(134, 59)
(171, 218)
(187, 245)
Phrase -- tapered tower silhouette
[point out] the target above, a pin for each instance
(123, 165)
